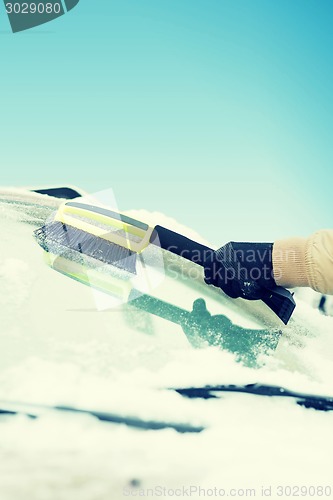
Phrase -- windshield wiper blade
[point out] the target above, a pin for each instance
(35, 411)
(322, 403)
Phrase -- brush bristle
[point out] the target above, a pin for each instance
(56, 237)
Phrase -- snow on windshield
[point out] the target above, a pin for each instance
(57, 347)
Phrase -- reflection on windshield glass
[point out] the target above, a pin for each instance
(202, 329)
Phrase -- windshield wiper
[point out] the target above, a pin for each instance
(322, 403)
(35, 411)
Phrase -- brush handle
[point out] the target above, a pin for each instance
(182, 246)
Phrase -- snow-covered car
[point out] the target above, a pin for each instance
(183, 393)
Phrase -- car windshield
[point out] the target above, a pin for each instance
(61, 340)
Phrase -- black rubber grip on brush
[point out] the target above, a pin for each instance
(182, 246)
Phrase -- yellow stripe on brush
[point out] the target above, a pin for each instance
(65, 213)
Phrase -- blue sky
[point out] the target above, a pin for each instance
(215, 112)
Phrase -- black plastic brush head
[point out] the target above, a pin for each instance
(58, 238)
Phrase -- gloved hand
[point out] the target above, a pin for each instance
(242, 270)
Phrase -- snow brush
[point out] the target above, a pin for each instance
(116, 239)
